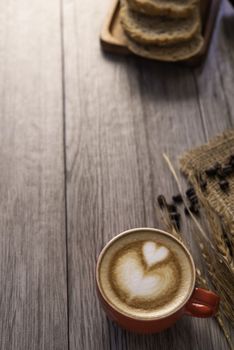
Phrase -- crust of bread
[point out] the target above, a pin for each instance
(171, 53)
(171, 8)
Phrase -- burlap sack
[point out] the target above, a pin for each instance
(219, 205)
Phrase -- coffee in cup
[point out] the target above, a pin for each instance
(145, 275)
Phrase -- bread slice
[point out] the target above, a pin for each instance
(171, 53)
(171, 8)
(159, 30)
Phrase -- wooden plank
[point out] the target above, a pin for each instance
(215, 79)
(121, 115)
(33, 300)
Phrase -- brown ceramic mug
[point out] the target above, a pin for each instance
(146, 281)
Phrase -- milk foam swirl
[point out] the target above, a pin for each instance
(145, 274)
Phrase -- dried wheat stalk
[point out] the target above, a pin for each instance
(216, 227)
(200, 279)
(218, 257)
(202, 282)
(224, 286)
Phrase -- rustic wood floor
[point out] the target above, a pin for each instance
(81, 140)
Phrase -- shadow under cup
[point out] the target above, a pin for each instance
(150, 247)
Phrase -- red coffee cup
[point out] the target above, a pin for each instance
(199, 302)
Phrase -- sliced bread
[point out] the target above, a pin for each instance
(171, 53)
(172, 8)
(159, 30)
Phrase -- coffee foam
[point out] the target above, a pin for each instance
(145, 274)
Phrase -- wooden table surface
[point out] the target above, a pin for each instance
(81, 143)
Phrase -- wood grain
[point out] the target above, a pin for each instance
(33, 299)
(121, 115)
(108, 120)
(215, 78)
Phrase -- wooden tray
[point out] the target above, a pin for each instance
(113, 40)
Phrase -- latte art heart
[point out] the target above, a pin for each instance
(132, 279)
(136, 283)
(154, 254)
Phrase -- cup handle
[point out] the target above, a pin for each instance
(203, 303)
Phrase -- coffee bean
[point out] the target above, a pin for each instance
(162, 201)
(177, 198)
(231, 159)
(175, 216)
(175, 219)
(203, 185)
(211, 171)
(220, 173)
(171, 208)
(227, 170)
(224, 185)
(190, 192)
(194, 209)
(193, 199)
(217, 165)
